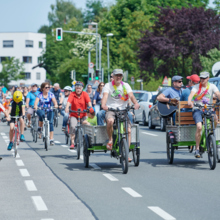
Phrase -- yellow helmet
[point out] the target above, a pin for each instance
(17, 96)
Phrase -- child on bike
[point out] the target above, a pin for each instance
(92, 119)
(7, 103)
(16, 108)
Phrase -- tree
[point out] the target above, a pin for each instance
(177, 40)
(12, 69)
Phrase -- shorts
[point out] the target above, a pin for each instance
(12, 120)
(110, 114)
(30, 111)
(73, 123)
(197, 116)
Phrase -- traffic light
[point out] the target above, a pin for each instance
(97, 75)
(90, 76)
(59, 34)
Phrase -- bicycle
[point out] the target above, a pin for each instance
(46, 127)
(34, 126)
(78, 132)
(56, 117)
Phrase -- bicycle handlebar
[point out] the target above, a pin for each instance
(78, 111)
(128, 108)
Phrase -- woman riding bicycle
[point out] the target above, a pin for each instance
(45, 99)
(16, 108)
(78, 100)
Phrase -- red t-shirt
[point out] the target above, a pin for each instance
(78, 102)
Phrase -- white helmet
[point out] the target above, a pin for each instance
(68, 88)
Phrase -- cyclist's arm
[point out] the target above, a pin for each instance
(133, 99)
(54, 102)
(61, 98)
(162, 98)
(190, 98)
(217, 93)
(89, 104)
(9, 110)
(104, 100)
(67, 107)
(23, 110)
(36, 103)
(27, 102)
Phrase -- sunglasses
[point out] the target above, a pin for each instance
(203, 78)
(66, 91)
(101, 85)
(47, 87)
(111, 76)
(179, 81)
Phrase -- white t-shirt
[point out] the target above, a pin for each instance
(207, 98)
(114, 101)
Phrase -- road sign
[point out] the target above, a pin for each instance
(215, 68)
(165, 81)
(139, 80)
(91, 65)
(132, 79)
(84, 75)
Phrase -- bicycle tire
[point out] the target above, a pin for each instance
(46, 138)
(218, 153)
(15, 143)
(35, 133)
(66, 137)
(212, 151)
(79, 141)
(86, 152)
(170, 150)
(56, 122)
(124, 155)
(136, 156)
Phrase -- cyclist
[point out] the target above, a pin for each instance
(6, 104)
(30, 99)
(45, 99)
(201, 93)
(90, 92)
(67, 91)
(16, 108)
(92, 119)
(116, 95)
(58, 94)
(78, 100)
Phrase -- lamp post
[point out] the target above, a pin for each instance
(108, 35)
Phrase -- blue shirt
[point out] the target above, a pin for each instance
(172, 93)
(97, 97)
(4, 89)
(32, 96)
(184, 97)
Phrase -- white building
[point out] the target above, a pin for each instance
(28, 48)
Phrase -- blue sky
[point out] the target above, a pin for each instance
(29, 15)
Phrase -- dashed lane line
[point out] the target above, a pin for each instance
(72, 151)
(47, 219)
(19, 163)
(110, 177)
(2, 133)
(64, 146)
(24, 172)
(131, 192)
(17, 156)
(96, 167)
(56, 142)
(39, 203)
(161, 213)
(149, 134)
(30, 185)
(5, 137)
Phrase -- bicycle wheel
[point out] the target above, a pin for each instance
(79, 142)
(86, 152)
(124, 155)
(170, 150)
(136, 156)
(46, 138)
(15, 142)
(56, 122)
(212, 151)
(35, 136)
(66, 135)
(218, 152)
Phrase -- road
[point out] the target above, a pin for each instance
(54, 185)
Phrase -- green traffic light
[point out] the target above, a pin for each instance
(96, 77)
(58, 37)
(90, 78)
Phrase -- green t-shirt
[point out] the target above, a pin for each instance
(92, 121)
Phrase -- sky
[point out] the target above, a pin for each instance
(30, 15)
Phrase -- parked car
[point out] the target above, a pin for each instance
(154, 117)
(143, 97)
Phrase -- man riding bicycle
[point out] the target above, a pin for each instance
(115, 95)
(78, 100)
(16, 108)
(201, 93)
(67, 91)
(58, 94)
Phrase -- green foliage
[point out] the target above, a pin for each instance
(208, 61)
(12, 69)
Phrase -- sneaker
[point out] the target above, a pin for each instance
(51, 142)
(63, 128)
(197, 154)
(22, 137)
(72, 147)
(10, 146)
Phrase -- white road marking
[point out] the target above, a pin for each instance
(30, 185)
(110, 177)
(64, 145)
(161, 213)
(131, 192)
(17, 156)
(96, 167)
(19, 163)
(56, 142)
(81, 157)
(47, 219)
(2, 133)
(24, 172)
(5, 137)
(39, 203)
(149, 134)
(72, 151)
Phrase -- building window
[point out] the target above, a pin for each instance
(8, 43)
(40, 44)
(37, 76)
(4, 59)
(27, 59)
(27, 75)
(29, 43)
(39, 59)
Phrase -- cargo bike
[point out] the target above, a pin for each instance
(95, 139)
(182, 134)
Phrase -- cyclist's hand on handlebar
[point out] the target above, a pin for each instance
(105, 108)
(190, 103)
(56, 106)
(91, 110)
(67, 110)
(8, 118)
(136, 106)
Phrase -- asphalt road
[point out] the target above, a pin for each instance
(59, 187)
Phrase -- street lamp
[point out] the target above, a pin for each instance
(108, 35)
